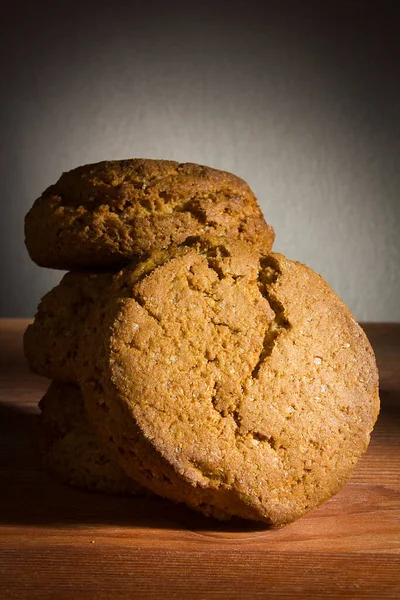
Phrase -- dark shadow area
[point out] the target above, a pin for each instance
(390, 403)
(29, 497)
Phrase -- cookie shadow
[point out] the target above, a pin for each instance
(29, 497)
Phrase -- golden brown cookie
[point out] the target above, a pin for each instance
(51, 342)
(106, 214)
(237, 383)
(69, 447)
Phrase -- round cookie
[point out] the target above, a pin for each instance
(236, 382)
(51, 342)
(246, 375)
(69, 447)
(108, 213)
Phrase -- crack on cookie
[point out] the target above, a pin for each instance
(212, 264)
(214, 396)
(196, 212)
(231, 410)
(233, 330)
(196, 286)
(237, 420)
(150, 313)
(300, 480)
(268, 274)
(268, 439)
(316, 445)
(218, 479)
(214, 254)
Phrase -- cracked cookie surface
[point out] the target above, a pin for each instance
(108, 213)
(69, 447)
(236, 382)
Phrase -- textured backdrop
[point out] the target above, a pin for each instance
(302, 101)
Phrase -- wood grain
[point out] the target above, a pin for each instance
(60, 543)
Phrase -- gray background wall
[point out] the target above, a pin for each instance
(302, 99)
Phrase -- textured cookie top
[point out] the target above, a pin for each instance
(106, 214)
(247, 375)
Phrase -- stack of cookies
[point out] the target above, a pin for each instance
(187, 359)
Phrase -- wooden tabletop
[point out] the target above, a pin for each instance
(56, 542)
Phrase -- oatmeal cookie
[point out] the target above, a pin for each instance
(110, 213)
(234, 381)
